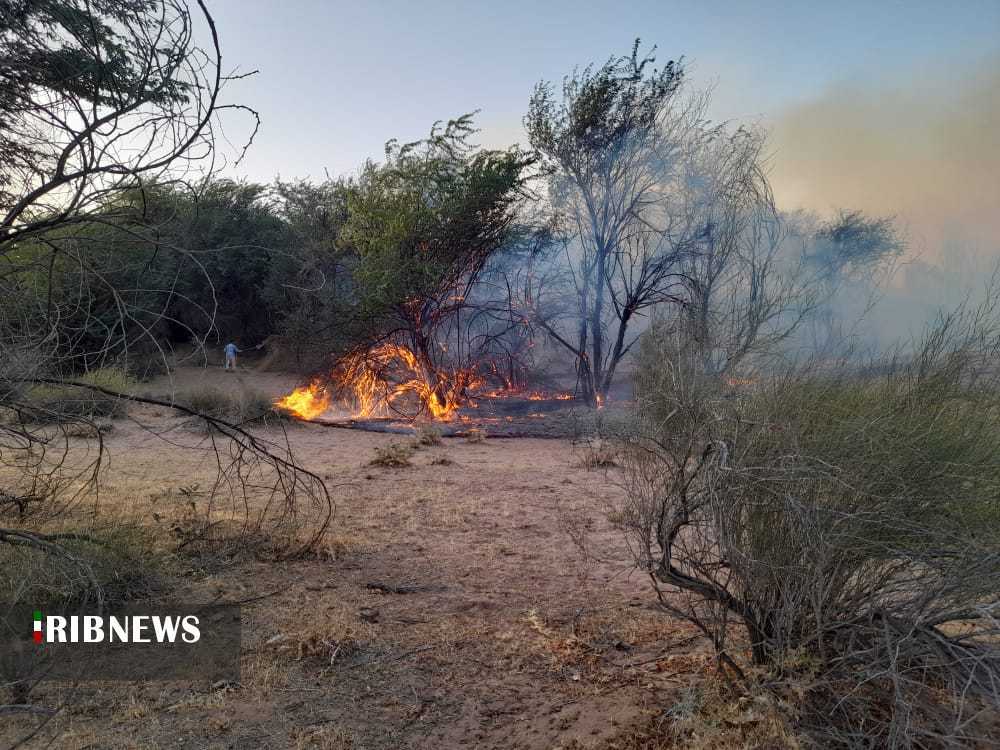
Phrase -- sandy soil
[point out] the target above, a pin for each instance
(449, 606)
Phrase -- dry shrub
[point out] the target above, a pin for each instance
(845, 518)
(599, 454)
(428, 435)
(67, 404)
(240, 406)
(75, 566)
(325, 737)
(393, 456)
(88, 429)
(713, 716)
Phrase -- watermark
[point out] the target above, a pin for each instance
(114, 629)
(162, 641)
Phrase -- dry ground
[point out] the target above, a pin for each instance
(449, 606)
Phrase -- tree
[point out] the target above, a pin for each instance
(104, 106)
(613, 146)
(312, 287)
(741, 296)
(850, 257)
(852, 244)
(423, 227)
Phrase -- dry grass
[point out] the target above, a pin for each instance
(325, 737)
(475, 435)
(460, 659)
(598, 454)
(55, 403)
(393, 456)
(712, 716)
(242, 405)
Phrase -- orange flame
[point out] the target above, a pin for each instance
(390, 379)
(307, 402)
(374, 383)
(381, 377)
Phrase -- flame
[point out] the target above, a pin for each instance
(306, 402)
(508, 392)
(376, 382)
(391, 380)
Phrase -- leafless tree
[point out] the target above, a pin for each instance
(100, 100)
(742, 295)
(660, 210)
(609, 146)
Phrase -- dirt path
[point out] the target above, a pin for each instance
(449, 608)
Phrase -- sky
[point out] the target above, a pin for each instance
(886, 106)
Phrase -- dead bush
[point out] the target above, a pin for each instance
(393, 456)
(598, 454)
(428, 435)
(475, 435)
(711, 715)
(66, 570)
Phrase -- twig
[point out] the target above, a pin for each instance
(394, 658)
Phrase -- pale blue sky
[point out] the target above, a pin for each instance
(340, 78)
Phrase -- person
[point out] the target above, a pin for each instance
(231, 351)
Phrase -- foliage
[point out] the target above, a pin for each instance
(846, 516)
(852, 243)
(61, 403)
(241, 405)
(423, 227)
(617, 148)
(425, 222)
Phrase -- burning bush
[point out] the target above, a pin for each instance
(422, 227)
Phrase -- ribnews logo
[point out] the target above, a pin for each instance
(138, 641)
(113, 629)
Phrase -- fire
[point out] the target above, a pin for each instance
(378, 379)
(307, 402)
(376, 382)
(528, 395)
(392, 380)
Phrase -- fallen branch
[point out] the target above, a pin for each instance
(389, 588)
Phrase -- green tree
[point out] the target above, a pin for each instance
(423, 226)
(609, 151)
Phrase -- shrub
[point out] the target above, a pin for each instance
(428, 434)
(394, 456)
(146, 367)
(235, 406)
(66, 403)
(475, 435)
(598, 454)
(847, 517)
(117, 563)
